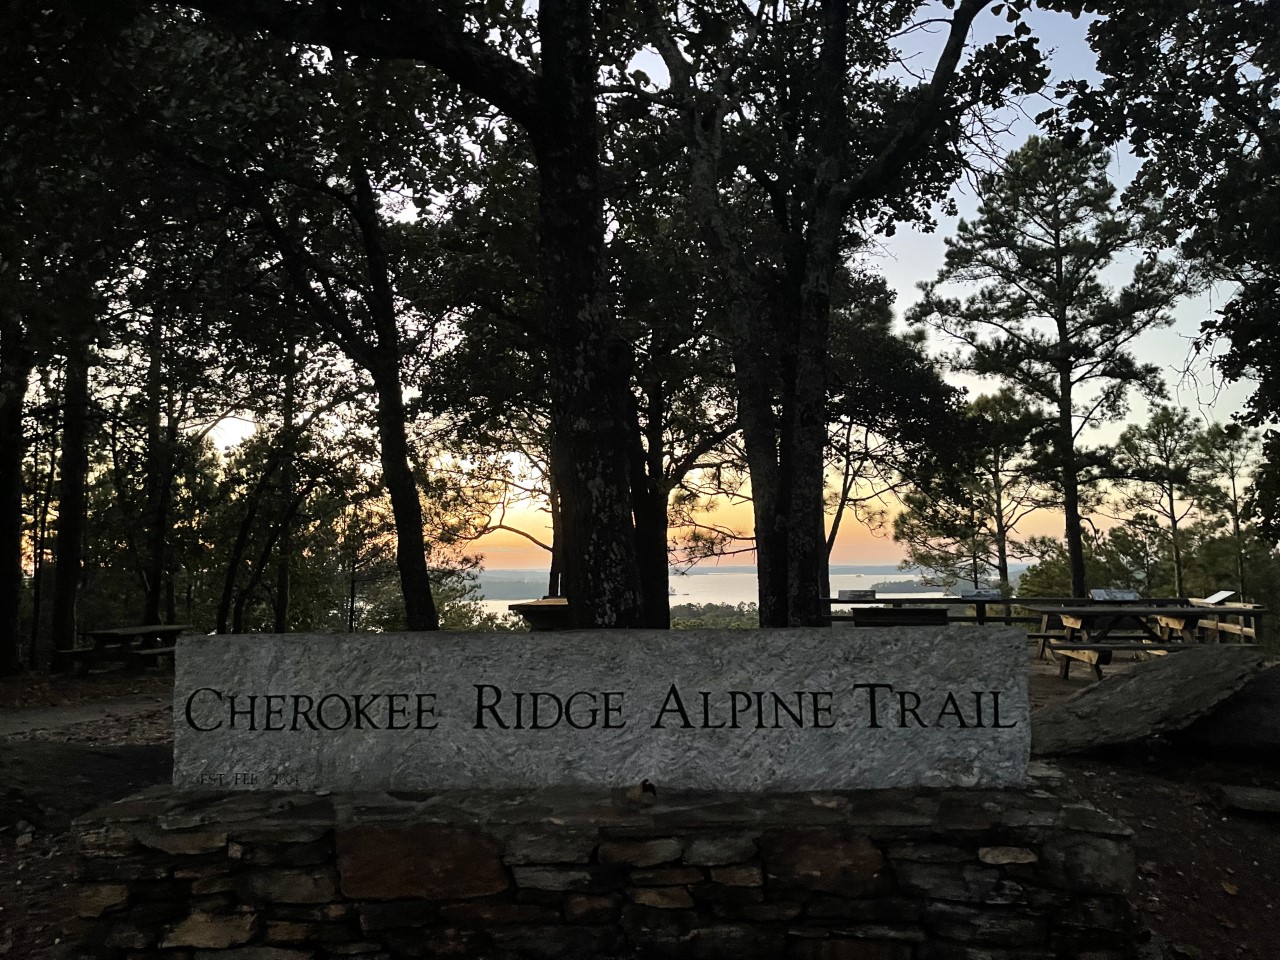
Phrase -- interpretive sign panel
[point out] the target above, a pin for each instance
(684, 709)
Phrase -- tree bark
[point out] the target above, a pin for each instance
(1066, 452)
(411, 555)
(16, 364)
(73, 474)
(284, 556)
(158, 479)
(649, 503)
(590, 362)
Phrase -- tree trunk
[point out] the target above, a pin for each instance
(15, 369)
(411, 555)
(284, 556)
(71, 498)
(649, 502)
(157, 479)
(1066, 452)
(760, 443)
(1175, 541)
(42, 503)
(1002, 530)
(554, 573)
(589, 362)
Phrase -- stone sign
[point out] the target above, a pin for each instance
(685, 710)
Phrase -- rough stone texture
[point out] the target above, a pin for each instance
(95, 899)
(211, 931)
(305, 730)
(717, 851)
(645, 853)
(1250, 799)
(822, 860)
(897, 874)
(428, 861)
(1247, 722)
(1004, 855)
(1163, 695)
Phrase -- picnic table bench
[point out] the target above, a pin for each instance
(870, 610)
(1092, 633)
(549, 613)
(135, 647)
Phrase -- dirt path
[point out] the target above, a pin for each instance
(59, 717)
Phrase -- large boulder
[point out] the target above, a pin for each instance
(1246, 722)
(1160, 696)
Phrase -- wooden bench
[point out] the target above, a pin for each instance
(1098, 655)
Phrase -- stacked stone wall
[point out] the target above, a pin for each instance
(879, 875)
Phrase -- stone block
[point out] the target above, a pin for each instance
(662, 898)
(212, 931)
(777, 912)
(720, 849)
(568, 879)
(745, 941)
(967, 883)
(395, 915)
(719, 893)
(822, 860)
(290, 931)
(558, 943)
(1001, 856)
(580, 908)
(741, 875)
(427, 861)
(278, 886)
(640, 853)
(182, 842)
(255, 953)
(406, 712)
(880, 910)
(1090, 864)
(553, 845)
(665, 877)
(978, 926)
(95, 899)
(484, 914)
(850, 950)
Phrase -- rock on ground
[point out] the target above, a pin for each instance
(1248, 722)
(1160, 696)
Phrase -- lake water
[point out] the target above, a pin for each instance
(736, 587)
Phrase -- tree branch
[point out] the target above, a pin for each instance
(395, 29)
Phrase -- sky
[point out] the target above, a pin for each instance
(912, 256)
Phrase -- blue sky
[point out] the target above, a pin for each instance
(911, 256)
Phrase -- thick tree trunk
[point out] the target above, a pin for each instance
(760, 443)
(15, 369)
(411, 554)
(590, 362)
(73, 475)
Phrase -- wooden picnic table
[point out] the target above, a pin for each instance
(134, 646)
(1092, 632)
(549, 613)
(942, 610)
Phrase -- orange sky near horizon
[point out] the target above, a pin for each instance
(855, 544)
